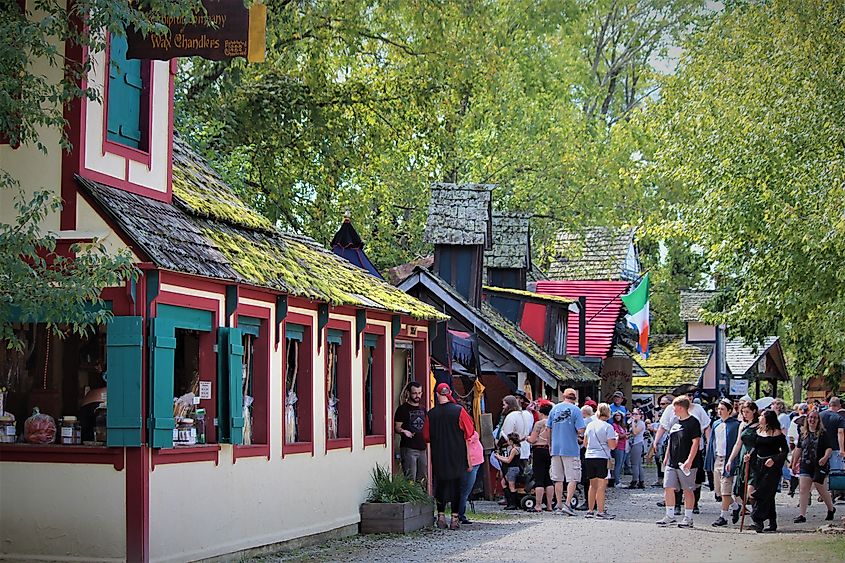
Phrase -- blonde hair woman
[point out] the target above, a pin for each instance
(599, 441)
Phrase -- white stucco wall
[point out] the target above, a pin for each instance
(62, 512)
(201, 510)
(699, 332)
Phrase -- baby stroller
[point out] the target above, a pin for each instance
(525, 487)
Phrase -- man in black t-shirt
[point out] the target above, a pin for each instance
(408, 422)
(681, 462)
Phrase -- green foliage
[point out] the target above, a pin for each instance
(361, 105)
(37, 284)
(748, 162)
(389, 487)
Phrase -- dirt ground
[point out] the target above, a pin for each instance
(633, 536)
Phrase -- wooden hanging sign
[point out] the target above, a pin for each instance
(226, 31)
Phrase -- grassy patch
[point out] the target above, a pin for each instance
(813, 547)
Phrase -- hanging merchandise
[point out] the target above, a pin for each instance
(291, 422)
(331, 385)
(477, 403)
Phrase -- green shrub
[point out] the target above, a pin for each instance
(387, 487)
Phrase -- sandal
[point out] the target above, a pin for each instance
(455, 524)
(441, 522)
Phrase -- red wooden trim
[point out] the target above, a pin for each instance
(300, 319)
(210, 452)
(258, 294)
(253, 450)
(339, 443)
(189, 301)
(375, 440)
(58, 453)
(129, 153)
(298, 448)
(137, 505)
(125, 185)
(190, 281)
(253, 311)
(302, 303)
(74, 116)
(338, 324)
(379, 330)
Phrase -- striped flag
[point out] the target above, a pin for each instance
(637, 318)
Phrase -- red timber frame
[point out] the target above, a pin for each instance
(309, 345)
(346, 351)
(381, 373)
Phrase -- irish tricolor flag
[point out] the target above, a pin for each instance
(637, 317)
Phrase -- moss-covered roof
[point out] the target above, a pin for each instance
(528, 295)
(671, 362)
(209, 231)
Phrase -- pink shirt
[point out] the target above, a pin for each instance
(476, 452)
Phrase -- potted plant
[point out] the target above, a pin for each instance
(395, 504)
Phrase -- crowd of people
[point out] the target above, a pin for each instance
(744, 454)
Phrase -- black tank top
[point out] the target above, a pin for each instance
(448, 446)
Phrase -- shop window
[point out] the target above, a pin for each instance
(183, 395)
(375, 385)
(298, 385)
(254, 379)
(128, 97)
(338, 390)
(65, 377)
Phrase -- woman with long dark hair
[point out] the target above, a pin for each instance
(747, 437)
(621, 430)
(810, 462)
(767, 458)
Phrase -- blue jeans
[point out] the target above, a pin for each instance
(467, 483)
(619, 458)
(636, 457)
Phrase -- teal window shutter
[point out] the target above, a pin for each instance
(124, 355)
(335, 336)
(236, 393)
(230, 385)
(163, 352)
(370, 340)
(294, 332)
(126, 89)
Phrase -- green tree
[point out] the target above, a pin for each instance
(749, 138)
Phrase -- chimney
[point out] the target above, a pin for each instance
(459, 225)
(508, 260)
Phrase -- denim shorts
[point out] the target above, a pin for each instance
(511, 474)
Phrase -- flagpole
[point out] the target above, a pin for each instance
(606, 305)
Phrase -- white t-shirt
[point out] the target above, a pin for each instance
(518, 422)
(721, 438)
(596, 435)
(668, 419)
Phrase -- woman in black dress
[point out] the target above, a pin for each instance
(767, 459)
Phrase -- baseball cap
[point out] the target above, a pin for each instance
(443, 389)
(591, 403)
(619, 394)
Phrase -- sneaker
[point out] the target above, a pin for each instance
(661, 504)
(685, 523)
(590, 514)
(735, 515)
(604, 516)
(696, 510)
(799, 519)
(665, 521)
(454, 524)
(657, 484)
(830, 514)
(564, 509)
(582, 506)
(719, 522)
(464, 520)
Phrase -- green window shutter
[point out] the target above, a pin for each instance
(125, 94)
(230, 387)
(335, 336)
(223, 434)
(124, 349)
(370, 340)
(163, 352)
(294, 332)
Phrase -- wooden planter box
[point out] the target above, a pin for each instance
(399, 517)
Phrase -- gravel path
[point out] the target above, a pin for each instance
(633, 536)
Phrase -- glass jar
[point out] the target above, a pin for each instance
(199, 425)
(100, 424)
(8, 433)
(70, 432)
(185, 433)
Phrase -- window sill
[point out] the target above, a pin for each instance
(59, 453)
(163, 456)
(339, 444)
(297, 448)
(130, 153)
(375, 440)
(252, 450)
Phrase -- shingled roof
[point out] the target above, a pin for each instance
(209, 232)
(671, 362)
(595, 253)
(742, 358)
(459, 214)
(498, 329)
(511, 246)
(693, 301)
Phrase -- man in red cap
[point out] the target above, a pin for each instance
(447, 428)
